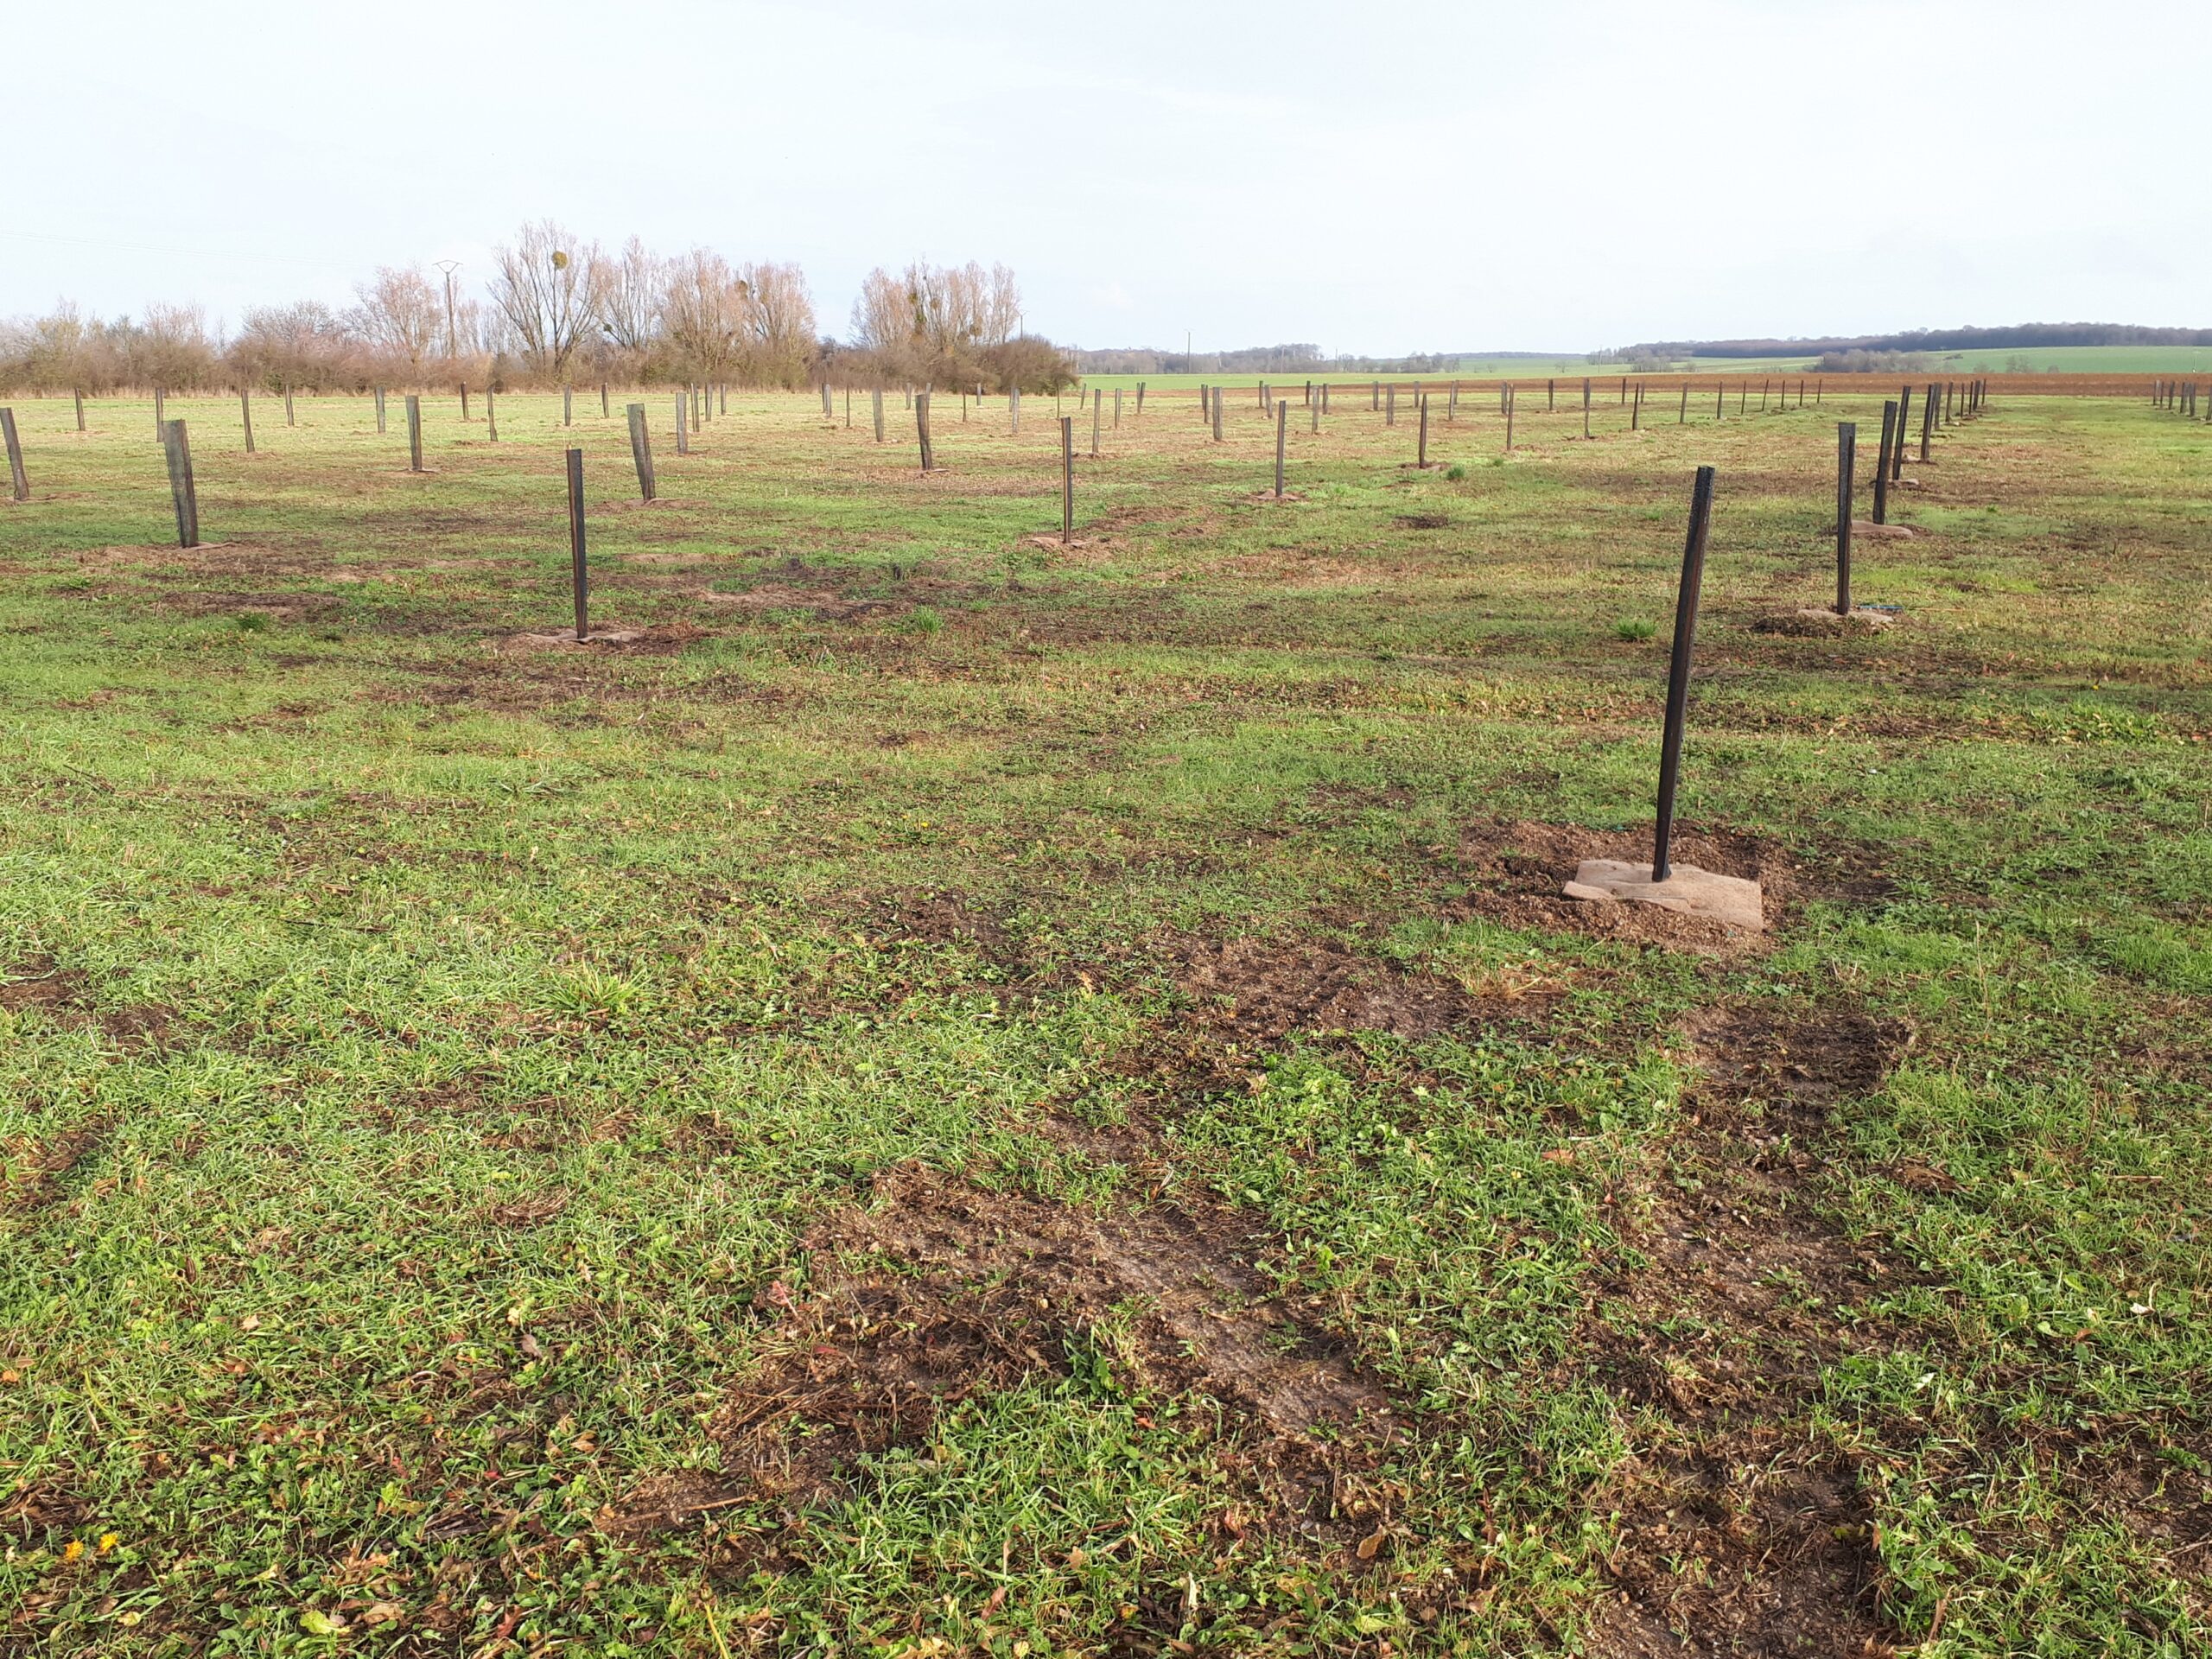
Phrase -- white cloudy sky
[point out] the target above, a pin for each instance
(1389, 175)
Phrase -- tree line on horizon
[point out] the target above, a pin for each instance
(2014, 335)
(559, 310)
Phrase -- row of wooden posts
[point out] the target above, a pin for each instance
(1943, 403)
(2177, 396)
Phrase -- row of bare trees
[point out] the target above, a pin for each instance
(558, 309)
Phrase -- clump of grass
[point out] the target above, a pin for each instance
(253, 622)
(1633, 627)
(922, 620)
(1455, 473)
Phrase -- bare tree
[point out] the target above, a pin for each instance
(550, 289)
(702, 310)
(399, 314)
(635, 283)
(780, 342)
(305, 345)
(932, 319)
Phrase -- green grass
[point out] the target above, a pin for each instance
(450, 1080)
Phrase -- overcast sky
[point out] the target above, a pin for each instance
(1375, 177)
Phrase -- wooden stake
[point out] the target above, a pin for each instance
(922, 430)
(178, 452)
(80, 409)
(876, 405)
(414, 433)
(1282, 432)
(1882, 464)
(641, 451)
(19, 486)
(683, 436)
(1067, 479)
(490, 417)
(245, 415)
(380, 431)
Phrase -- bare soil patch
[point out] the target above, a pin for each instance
(938, 1290)
(65, 997)
(1740, 1534)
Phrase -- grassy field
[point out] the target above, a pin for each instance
(950, 1094)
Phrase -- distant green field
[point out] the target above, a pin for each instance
(2061, 360)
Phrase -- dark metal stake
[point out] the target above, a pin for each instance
(577, 543)
(1678, 670)
(1282, 431)
(1882, 463)
(1846, 457)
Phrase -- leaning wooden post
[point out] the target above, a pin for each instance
(581, 577)
(160, 419)
(1927, 422)
(1282, 433)
(1509, 401)
(245, 415)
(1846, 458)
(1452, 405)
(1882, 463)
(19, 486)
(641, 450)
(922, 430)
(683, 437)
(1421, 456)
(491, 416)
(178, 451)
(380, 429)
(79, 397)
(1683, 414)
(1635, 410)
(1743, 394)
(414, 433)
(1904, 420)
(1719, 396)
(1678, 670)
(1067, 479)
(876, 406)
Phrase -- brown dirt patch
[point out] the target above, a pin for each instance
(1423, 521)
(1740, 1531)
(661, 637)
(1265, 990)
(36, 983)
(939, 1290)
(33, 1169)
